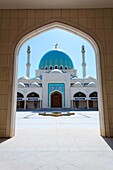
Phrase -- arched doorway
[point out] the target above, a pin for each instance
(20, 101)
(93, 100)
(56, 99)
(76, 29)
(79, 101)
(32, 101)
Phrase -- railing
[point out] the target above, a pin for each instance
(93, 98)
(32, 98)
(80, 98)
(20, 98)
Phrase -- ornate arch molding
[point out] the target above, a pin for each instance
(76, 29)
(65, 25)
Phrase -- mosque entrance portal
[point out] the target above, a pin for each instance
(56, 99)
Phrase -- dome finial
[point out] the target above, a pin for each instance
(56, 45)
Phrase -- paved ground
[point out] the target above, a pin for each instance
(56, 143)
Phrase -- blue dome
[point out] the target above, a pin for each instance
(56, 59)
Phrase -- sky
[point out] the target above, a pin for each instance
(67, 41)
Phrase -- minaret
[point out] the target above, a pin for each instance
(28, 62)
(83, 61)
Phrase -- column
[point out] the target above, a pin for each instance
(40, 103)
(24, 104)
(87, 104)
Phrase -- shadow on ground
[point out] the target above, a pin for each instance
(3, 140)
(109, 141)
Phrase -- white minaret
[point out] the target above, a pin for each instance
(28, 62)
(83, 61)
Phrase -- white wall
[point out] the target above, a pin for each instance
(55, 78)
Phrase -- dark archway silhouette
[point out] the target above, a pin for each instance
(79, 94)
(20, 95)
(33, 94)
(94, 94)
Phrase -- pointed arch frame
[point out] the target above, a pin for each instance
(82, 32)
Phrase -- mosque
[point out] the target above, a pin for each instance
(56, 84)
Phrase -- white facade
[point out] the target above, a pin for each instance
(55, 87)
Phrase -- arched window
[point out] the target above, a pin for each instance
(46, 67)
(51, 67)
(61, 67)
(56, 67)
(66, 67)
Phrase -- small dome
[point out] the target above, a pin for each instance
(20, 84)
(75, 78)
(34, 84)
(92, 84)
(77, 84)
(88, 77)
(55, 58)
(24, 78)
(56, 71)
(37, 78)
